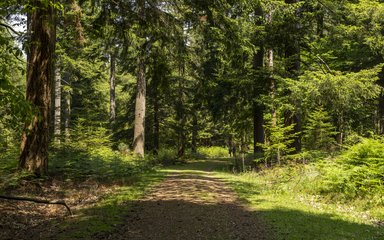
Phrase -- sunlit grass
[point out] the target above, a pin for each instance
(301, 216)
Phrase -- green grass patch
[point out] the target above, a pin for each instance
(294, 216)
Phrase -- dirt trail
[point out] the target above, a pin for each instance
(190, 205)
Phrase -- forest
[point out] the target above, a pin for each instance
(192, 119)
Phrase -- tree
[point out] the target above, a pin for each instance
(139, 131)
(319, 133)
(57, 106)
(34, 145)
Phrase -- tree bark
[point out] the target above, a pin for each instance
(36, 200)
(156, 122)
(40, 74)
(194, 131)
(258, 109)
(112, 91)
(67, 114)
(272, 86)
(181, 112)
(57, 117)
(139, 131)
(292, 55)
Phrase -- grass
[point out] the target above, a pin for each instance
(301, 216)
(291, 215)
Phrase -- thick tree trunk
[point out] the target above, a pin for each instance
(258, 109)
(35, 139)
(57, 117)
(112, 91)
(138, 139)
(139, 130)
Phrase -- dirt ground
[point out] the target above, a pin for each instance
(185, 205)
(190, 206)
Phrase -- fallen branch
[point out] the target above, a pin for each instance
(57, 202)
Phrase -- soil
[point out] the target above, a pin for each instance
(185, 205)
(190, 206)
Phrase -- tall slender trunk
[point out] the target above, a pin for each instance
(57, 117)
(292, 54)
(67, 116)
(194, 132)
(258, 109)
(139, 131)
(181, 112)
(380, 107)
(40, 74)
(272, 85)
(156, 122)
(112, 91)
(272, 92)
(181, 105)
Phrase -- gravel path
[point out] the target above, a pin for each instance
(190, 205)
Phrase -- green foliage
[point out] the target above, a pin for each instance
(165, 156)
(319, 133)
(278, 144)
(349, 98)
(213, 152)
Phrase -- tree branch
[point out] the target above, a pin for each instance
(36, 200)
(10, 28)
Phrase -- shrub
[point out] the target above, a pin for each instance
(213, 152)
(166, 156)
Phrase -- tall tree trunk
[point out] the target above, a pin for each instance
(292, 54)
(272, 93)
(194, 132)
(35, 139)
(67, 108)
(57, 117)
(181, 113)
(380, 107)
(156, 122)
(138, 139)
(272, 85)
(67, 116)
(112, 91)
(181, 105)
(139, 130)
(258, 109)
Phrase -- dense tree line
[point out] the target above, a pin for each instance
(286, 77)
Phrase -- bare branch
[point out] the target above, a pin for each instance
(36, 200)
(10, 28)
